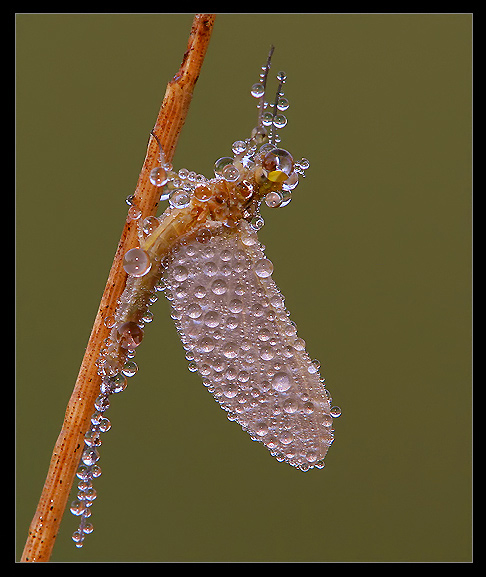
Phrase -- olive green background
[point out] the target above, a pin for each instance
(373, 255)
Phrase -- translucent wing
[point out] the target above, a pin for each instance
(237, 333)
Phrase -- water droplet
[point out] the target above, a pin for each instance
(239, 146)
(327, 420)
(281, 382)
(257, 222)
(273, 199)
(180, 199)
(119, 383)
(277, 165)
(280, 121)
(230, 350)
(136, 262)
(92, 438)
(148, 316)
(109, 321)
(290, 406)
(206, 344)
(78, 538)
(267, 118)
(219, 287)
(130, 334)
(134, 213)
(282, 103)
(180, 273)
(235, 306)
(90, 456)
(102, 403)
(104, 427)
(263, 268)
(230, 173)
(285, 437)
(257, 90)
(202, 193)
(77, 507)
(199, 292)
(158, 176)
(88, 528)
(211, 319)
(335, 412)
(291, 182)
(261, 428)
(150, 224)
(220, 164)
(192, 366)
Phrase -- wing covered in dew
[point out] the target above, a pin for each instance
(238, 335)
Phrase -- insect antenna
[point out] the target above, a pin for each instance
(158, 175)
(278, 120)
(260, 87)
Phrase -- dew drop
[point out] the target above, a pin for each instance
(148, 316)
(282, 104)
(90, 456)
(200, 292)
(239, 146)
(285, 437)
(150, 224)
(130, 334)
(273, 199)
(77, 507)
(280, 121)
(291, 182)
(335, 412)
(102, 403)
(180, 199)
(257, 90)
(119, 383)
(290, 406)
(134, 213)
(211, 319)
(221, 163)
(219, 287)
(180, 273)
(314, 367)
(230, 173)
(257, 222)
(206, 345)
(78, 538)
(235, 306)
(202, 193)
(136, 262)
(281, 382)
(104, 427)
(263, 268)
(158, 176)
(230, 350)
(261, 428)
(88, 528)
(194, 311)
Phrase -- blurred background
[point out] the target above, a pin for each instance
(373, 255)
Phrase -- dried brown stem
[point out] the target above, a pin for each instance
(66, 454)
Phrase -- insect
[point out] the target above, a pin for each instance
(203, 253)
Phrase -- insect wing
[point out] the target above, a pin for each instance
(237, 333)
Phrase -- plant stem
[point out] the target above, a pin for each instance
(69, 445)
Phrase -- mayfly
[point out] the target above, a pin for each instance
(203, 253)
